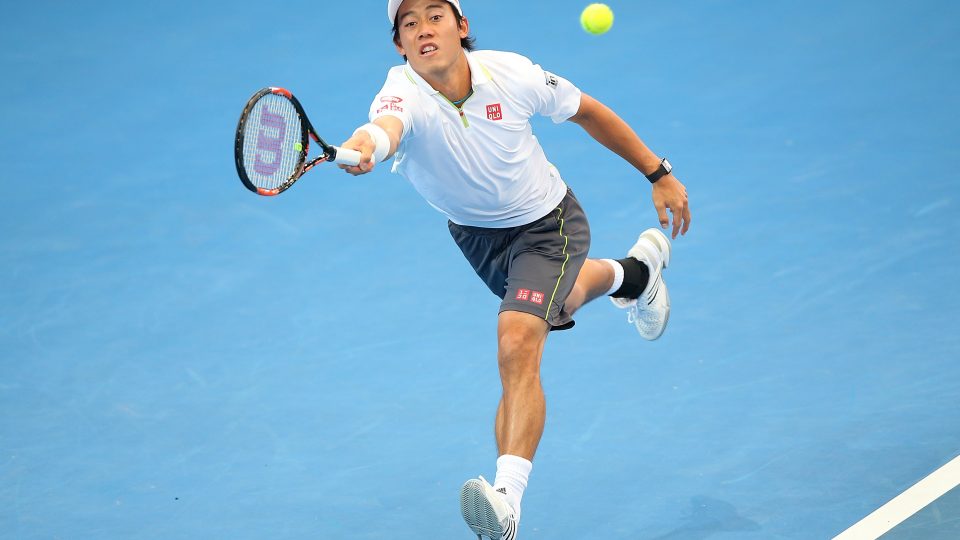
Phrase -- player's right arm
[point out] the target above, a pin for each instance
(365, 143)
(391, 118)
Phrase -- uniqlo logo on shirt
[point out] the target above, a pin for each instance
(536, 297)
(493, 112)
(523, 294)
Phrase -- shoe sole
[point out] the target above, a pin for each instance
(665, 257)
(666, 316)
(478, 512)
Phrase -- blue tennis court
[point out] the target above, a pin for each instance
(181, 359)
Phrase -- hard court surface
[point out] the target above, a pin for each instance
(181, 359)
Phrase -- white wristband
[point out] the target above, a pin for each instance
(380, 138)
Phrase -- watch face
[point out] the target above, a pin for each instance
(666, 165)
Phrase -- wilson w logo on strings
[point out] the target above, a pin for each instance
(272, 132)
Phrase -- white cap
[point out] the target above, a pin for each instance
(394, 5)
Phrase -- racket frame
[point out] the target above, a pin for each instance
(329, 153)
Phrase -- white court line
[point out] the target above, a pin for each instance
(906, 504)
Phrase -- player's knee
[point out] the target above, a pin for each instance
(519, 354)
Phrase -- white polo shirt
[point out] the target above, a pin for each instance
(480, 165)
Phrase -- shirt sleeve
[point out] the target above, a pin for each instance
(397, 98)
(551, 94)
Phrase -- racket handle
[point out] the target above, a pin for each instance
(346, 156)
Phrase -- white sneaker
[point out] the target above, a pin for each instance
(651, 311)
(486, 511)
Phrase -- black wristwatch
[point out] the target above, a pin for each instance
(664, 169)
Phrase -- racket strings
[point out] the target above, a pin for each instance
(271, 143)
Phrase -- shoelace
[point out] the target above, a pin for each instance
(634, 314)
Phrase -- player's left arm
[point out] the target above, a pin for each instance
(611, 131)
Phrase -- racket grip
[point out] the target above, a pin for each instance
(346, 156)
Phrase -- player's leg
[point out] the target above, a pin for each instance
(533, 270)
(522, 410)
(494, 511)
(595, 280)
(634, 283)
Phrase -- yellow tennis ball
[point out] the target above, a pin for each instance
(597, 18)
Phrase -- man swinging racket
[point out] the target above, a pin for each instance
(458, 123)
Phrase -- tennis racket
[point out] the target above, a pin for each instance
(273, 139)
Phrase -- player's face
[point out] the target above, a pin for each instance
(429, 34)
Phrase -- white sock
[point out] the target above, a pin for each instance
(512, 474)
(617, 276)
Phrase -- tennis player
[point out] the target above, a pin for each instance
(458, 123)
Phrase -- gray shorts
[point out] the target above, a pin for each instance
(531, 267)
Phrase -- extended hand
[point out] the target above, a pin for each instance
(669, 193)
(363, 143)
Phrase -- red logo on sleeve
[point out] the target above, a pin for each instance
(536, 297)
(493, 112)
(523, 294)
(390, 103)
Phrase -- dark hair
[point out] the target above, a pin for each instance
(467, 43)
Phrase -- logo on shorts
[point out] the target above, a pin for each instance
(530, 296)
(494, 113)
